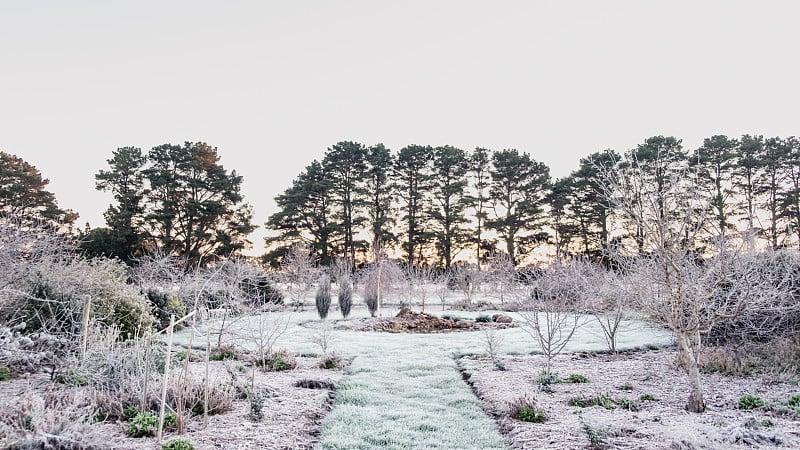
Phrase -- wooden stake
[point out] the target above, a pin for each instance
(87, 306)
(166, 377)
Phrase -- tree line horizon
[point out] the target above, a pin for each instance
(427, 204)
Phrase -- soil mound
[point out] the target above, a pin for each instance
(408, 321)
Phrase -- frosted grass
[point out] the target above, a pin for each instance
(404, 391)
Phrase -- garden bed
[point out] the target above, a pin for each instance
(632, 400)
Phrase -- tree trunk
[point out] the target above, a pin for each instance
(687, 351)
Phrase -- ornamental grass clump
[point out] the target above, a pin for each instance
(525, 409)
(278, 360)
(323, 297)
(345, 295)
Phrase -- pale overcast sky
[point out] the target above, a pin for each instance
(273, 84)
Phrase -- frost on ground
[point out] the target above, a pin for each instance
(292, 415)
(646, 393)
(402, 396)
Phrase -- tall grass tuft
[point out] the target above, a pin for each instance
(345, 295)
(323, 296)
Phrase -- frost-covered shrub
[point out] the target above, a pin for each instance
(188, 394)
(371, 299)
(278, 361)
(28, 353)
(256, 407)
(345, 295)
(55, 295)
(331, 361)
(223, 352)
(323, 297)
(259, 291)
(51, 420)
(166, 304)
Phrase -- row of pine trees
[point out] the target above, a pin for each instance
(432, 205)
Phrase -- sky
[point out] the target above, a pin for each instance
(274, 84)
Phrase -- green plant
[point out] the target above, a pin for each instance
(576, 401)
(5, 374)
(626, 386)
(547, 380)
(100, 416)
(331, 361)
(171, 420)
(223, 352)
(750, 402)
(143, 425)
(648, 398)
(794, 401)
(577, 378)
(129, 412)
(597, 438)
(278, 361)
(177, 444)
(71, 377)
(626, 403)
(166, 304)
(256, 407)
(598, 400)
(483, 319)
(525, 409)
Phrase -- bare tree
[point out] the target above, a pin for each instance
(298, 273)
(688, 294)
(263, 331)
(467, 278)
(421, 280)
(555, 306)
(502, 277)
(492, 342)
(442, 287)
(608, 299)
(377, 280)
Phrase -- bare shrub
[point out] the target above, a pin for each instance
(555, 306)
(492, 342)
(421, 280)
(188, 393)
(466, 278)
(774, 312)
(609, 298)
(263, 331)
(297, 273)
(51, 420)
(323, 337)
(501, 275)
(378, 280)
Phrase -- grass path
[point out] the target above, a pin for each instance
(404, 395)
(404, 391)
